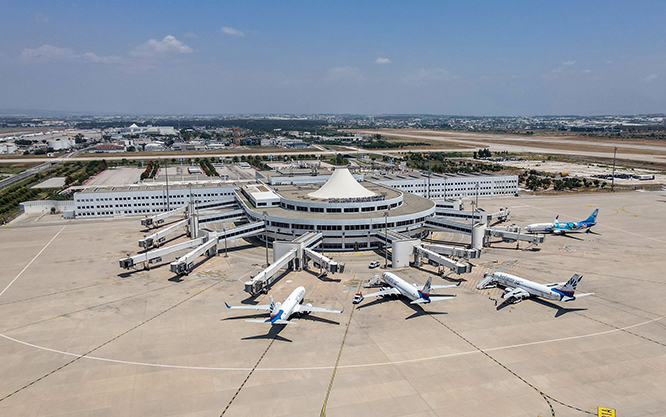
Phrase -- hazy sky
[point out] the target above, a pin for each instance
(221, 57)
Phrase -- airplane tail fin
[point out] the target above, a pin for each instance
(593, 217)
(557, 219)
(273, 308)
(569, 288)
(428, 286)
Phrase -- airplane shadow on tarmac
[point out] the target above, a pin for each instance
(560, 310)
(275, 329)
(418, 310)
(273, 332)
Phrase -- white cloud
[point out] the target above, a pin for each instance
(50, 53)
(47, 53)
(232, 32)
(569, 63)
(650, 78)
(382, 61)
(154, 48)
(101, 59)
(190, 35)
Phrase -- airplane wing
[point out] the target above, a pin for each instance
(259, 307)
(516, 292)
(389, 291)
(435, 287)
(433, 298)
(578, 296)
(268, 321)
(310, 309)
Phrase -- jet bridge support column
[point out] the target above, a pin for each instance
(421, 253)
(478, 236)
(193, 221)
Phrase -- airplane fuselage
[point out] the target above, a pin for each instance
(402, 286)
(287, 308)
(534, 289)
(559, 227)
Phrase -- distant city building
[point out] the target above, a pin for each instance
(60, 144)
(133, 129)
(7, 148)
(107, 148)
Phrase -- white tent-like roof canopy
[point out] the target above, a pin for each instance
(342, 184)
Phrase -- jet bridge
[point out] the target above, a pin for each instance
(477, 216)
(155, 256)
(321, 261)
(185, 264)
(292, 255)
(158, 219)
(221, 217)
(455, 251)
(514, 234)
(480, 232)
(421, 253)
(260, 282)
(401, 246)
(160, 236)
(446, 225)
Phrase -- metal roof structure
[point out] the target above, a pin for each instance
(341, 185)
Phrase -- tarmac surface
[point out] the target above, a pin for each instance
(81, 337)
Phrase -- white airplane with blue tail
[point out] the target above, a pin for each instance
(281, 312)
(517, 289)
(560, 228)
(400, 287)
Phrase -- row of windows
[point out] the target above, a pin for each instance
(337, 209)
(152, 197)
(346, 227)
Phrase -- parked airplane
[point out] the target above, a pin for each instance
(560, 228)
(399, 286)
(280, 313)
(517, 289)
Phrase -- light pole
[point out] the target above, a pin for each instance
(386, 239)
(613, 179)
(266, 237)
(429, 175)
(476, 205)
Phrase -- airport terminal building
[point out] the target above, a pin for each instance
(348, 212)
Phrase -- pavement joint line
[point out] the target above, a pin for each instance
(88, 308)
(609, 227)
(33, 260)
(323, 368)
(545, 396)
(624, 330)
(247, 377)
(50, 294)
(107, 342)
(337, 361)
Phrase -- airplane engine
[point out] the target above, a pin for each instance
(307, 312)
